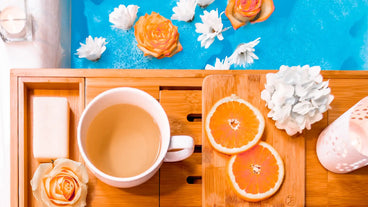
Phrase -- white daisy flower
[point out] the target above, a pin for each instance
(244, 53)
(204, 3)
(123, 17)
(210, 28)
(184, 10)
(219, 65)
(93, 48)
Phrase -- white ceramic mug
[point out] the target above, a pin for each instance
(179, 147)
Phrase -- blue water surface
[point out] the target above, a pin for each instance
(332, 34)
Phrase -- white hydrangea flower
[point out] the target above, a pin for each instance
(244, 53)
(184, 10)
(93, 48)
(204, 3)
(219, 65)
(123, 17)
(210, 28)
(297, 97)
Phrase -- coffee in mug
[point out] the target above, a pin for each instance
(123, 140)
(124, 137)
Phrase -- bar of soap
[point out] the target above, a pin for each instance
(50, 128)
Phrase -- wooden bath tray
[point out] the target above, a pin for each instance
(180, 93)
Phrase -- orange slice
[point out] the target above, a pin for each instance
(234, 125)
(257, 173)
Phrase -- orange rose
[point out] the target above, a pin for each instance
(157, 36)
(240, 12)
(63, 184)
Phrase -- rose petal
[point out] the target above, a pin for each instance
(266, 11)
(63, 185)
(83, 195)
(36, 181)
(77, 167)
(157, 36)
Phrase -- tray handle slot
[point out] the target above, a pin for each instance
(194, 179)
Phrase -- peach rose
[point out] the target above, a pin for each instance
(63, 183)
(157, 36)
(240, 12)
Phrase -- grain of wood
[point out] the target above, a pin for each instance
(22, 149)
(317, 177)
(101, 194)
(37, 87)
(322, 188)
(174, 187)
(153, 73)
(95, 86)
(216, 189)
(14, 120)
(347, 93)
(347, 189)
(146, 194)
(179, 104)
(27, 90)
(136, 73)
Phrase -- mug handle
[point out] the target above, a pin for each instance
(180, 148)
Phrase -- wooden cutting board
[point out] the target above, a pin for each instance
(216, 188)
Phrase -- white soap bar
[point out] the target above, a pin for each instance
(50, 128)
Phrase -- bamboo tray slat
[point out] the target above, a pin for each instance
(179, 92)
(73, 90)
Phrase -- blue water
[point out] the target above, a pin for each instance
(332, 34)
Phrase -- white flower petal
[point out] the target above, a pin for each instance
(220, 37)
(219, 65)
(282, 92)
(201, 28)
(41, 171)
(93, 48)
(184, 10)
(302, 107)
(296, 97)
(244, 53)
(266, 96)
(314, 71)
(204, 3)
(207, 42)
(330, 99)
(123, 17)
(210, 28)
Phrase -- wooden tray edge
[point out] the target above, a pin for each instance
(19, 86)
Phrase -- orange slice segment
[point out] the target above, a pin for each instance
(257, 173)
(233, 125)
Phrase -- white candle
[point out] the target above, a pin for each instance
(13, 21)
(343, 146)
